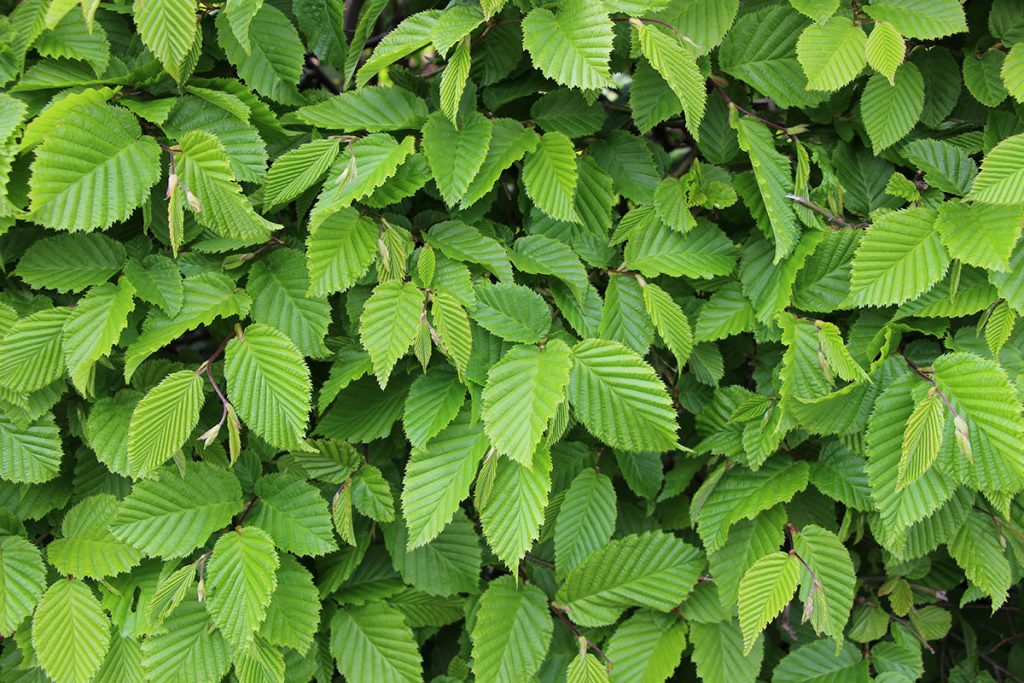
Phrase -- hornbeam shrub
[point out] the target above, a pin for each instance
(511, 340)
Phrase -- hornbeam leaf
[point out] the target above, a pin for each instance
(922, 439)
(388, 325)
(1001, 180)
(22, 581)
(168, 28)
(438, 478)
(70, 632)
(372, 643)
(115, 166)
(899, 258)
(522, 394)
(678, 66)
(268, 384)
(512, 631)
(86, 546)
(766, 588)
(241, 576)
(171, 514)
(163, 420)
(832, 54)
(550, 176)
(512, 514)
(653, 569)
(573, 46)
(619, 399)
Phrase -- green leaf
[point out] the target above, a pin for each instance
(818, 11)
(240, 14)
(619, 398)
(448, 565)
(297, 170)
(586, 668)
(170, 514)
(438, 477)
(761, 50)
(817, 662)
(413, 34)
(434, 400)
(885, 50)
(571, 47)
(774, 182)
(512, 631)
(550, 176)
(206, 296)
(831, 54)
(361, 168)
(456, 155)
(1013, 73)
(453, 331)
(586, 520)
(766, 588)
(977, 549)
(204, 167)
(115, 166)
(1001, 180)
(922, 439)
(189, 648)
(241, 576)
(31, 354)
(522, 394)
(70, 263)
(678, 66)
(999, 327)
(983, 397)
(340, 251)
(946, 166)
(828, 593)
(983, 77)
(169, 30)
(890, 111)
(371, 494)
(513, 512)
(163, 421)
(509, 142)
(453, 80)
(653, 569)
(670, 321)
(462, 242)
(899, 258)
(278, 286)
(87, 547)
(157, 280)
(22, 581)
(718, 653)
(512, 312)
(93, 328)
(274, 64)
(374, 109)
(32, 453)
(922, 19)
(388, 325)
(269, 385)
(70, 632)
(646, 647)
(294, 611)
(294, 513)
(372, 643)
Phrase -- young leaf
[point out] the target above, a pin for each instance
(388, 324)
(269, 386)
(766, 588)
(512, 631)
(163, 420)
(922, 439)
(522, 393)
(70, 632)
(241, 576)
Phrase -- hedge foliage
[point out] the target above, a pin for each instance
(511, 340)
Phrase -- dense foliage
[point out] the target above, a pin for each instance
(511, 340)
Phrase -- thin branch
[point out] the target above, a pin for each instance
(562, 618)
(831, 218)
